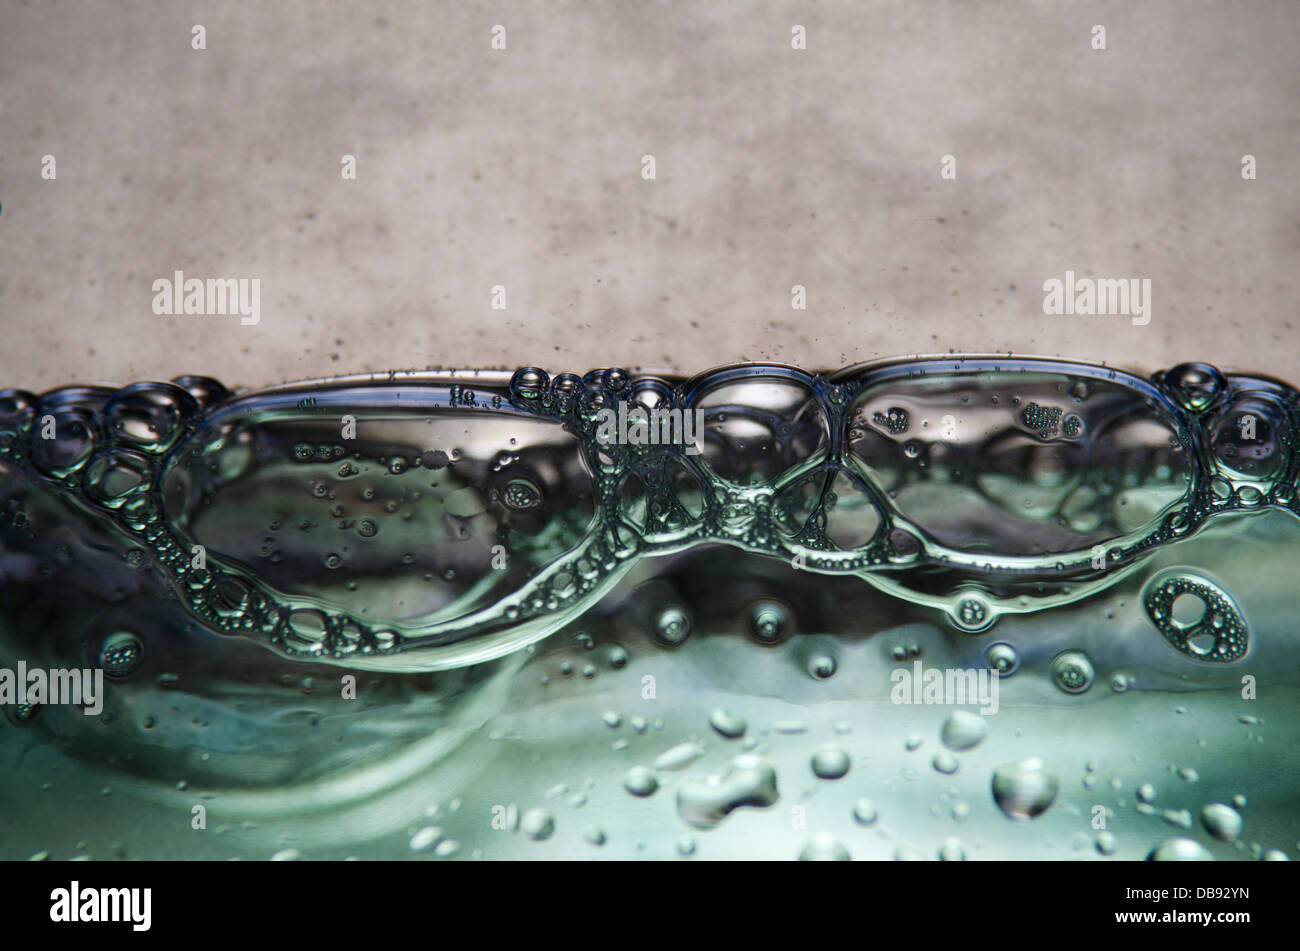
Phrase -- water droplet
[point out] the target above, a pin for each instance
(952, 851)
(727, 724)
(1221, 821)
(822, 666)
(537, 824)
(425, 839)
(945, 762)
(824, 848)
(1180, 850)
(963, 731)
(830, 762)
(864, 812)
(680, 756)
(1024, 790)
(640, 781)
(750, 780)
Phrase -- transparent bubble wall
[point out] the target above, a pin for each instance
(660, 617)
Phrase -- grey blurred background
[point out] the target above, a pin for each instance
(523, 168)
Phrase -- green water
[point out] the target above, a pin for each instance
(439, 616)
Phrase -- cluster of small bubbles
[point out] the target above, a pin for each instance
(972, 614)
(22, 713)
(120, 458)
(521, 494)
(121, 654)
(1045, 421)
(1218, 635)
(895, 420)
(1072, 671)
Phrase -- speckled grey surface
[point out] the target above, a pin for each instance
(522, 168)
